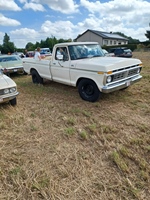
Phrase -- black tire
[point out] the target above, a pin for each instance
(88, 90)
(13, 102)
(36, 78)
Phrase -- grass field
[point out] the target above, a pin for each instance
(55, 146)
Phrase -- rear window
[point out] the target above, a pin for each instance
(118, 51)
(127, 50)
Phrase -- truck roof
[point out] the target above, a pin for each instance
(75, 43)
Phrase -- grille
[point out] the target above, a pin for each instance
(119, 76)
(125, 73)
(132, 72)
(1, 92)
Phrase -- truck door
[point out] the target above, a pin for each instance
(60, 66)
(43, 68)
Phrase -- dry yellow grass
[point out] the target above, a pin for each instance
(55, 146)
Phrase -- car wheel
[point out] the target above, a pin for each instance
(88, 90)
(13, 102)
(36, 78)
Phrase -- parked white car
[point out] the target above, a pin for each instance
(11, 64)
(8, 89)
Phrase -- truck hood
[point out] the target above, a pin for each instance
(106, 64)
(6, 82)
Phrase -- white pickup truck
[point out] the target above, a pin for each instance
(83, 65)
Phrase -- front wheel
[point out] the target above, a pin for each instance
(88, 90)
(36, 78)
(13, 102)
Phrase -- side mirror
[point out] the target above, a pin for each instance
(59, 57)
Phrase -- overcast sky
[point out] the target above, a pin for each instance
(33, 20)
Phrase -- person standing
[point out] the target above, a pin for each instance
(26, 53)
(37, 55)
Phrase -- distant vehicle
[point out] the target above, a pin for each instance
(121, 52)
(45, 51)
(21, 54)
(11, 64)
(106, 53)
(31, 53)
(8, 89)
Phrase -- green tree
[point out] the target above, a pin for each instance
(49, 42)
(29, 46)
(130, 39)
(147, 34)
(7, 47)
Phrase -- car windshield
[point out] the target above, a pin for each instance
(10, 58)
(83, 51)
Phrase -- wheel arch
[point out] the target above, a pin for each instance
(81, 78)
(33, 69)
(36, 78)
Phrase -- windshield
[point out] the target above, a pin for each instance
(85, 51)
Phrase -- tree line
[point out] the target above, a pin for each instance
(9, 47)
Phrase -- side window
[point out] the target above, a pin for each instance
(58, 55)
(61, 54)
(118, 51)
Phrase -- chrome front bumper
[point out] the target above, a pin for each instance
(120, 85)
(8, 97)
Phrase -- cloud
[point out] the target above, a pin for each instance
(128, 11)
(25, 32)
(58, 29)
(4, 21)
(9, 5)
(49, 29)
(126, 16)
(22, 36)
(66, 7)
(1, 37)
(34, 6)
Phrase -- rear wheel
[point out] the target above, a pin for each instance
(88, 90)
(13, 102)
(36, 78)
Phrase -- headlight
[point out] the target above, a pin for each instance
(9, 90)
(138, 71)
(12, 89)
(108, 79)
(6, 91)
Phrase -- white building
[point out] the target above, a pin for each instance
(103, 38)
